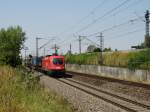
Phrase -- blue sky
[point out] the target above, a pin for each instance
(63, 20)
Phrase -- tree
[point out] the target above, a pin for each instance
(91, 48)
(116, 50)
(11, 43)
(97, 50)
(107, 50)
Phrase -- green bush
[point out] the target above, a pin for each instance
(89, 58)
(11, 42)
(139, 59)
(20, 92)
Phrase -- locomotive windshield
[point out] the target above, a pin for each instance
(57, 61)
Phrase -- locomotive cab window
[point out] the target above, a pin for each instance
(57, 61)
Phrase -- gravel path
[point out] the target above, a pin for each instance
(81, 101)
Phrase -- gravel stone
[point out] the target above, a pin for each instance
(136, 93)
(81, 101)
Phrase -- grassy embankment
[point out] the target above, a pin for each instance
(132, 60)
(19, 92)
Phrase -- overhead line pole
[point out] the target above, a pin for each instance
(70, 49)
(55, 49)
(37, 47)
(44, 51)
(147, 23)
(80, 39)
(37, 52)
(79, 44)
(101, 44)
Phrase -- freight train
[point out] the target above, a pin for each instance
(51, 64)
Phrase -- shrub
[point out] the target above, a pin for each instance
(132, 60)
(20, 92)
(140, 60)
(11, 42)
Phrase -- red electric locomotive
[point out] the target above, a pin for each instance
(53, 65)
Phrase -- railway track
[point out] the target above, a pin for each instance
(119, 101)
(125, 82)
(124, 103)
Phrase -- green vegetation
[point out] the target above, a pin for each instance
(132, 60)
(87, 58)
(147, 41)
(20, 92)
(11, 42)
(140, 60)
(91, 48)
(117, 59)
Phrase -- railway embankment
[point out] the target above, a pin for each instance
(87, 97)
(113, 72)
(82, 98)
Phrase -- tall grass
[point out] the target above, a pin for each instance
(109, 59)
(117, 59)
(87, 58)
(140, 60)
(20, 92)
(132, 60)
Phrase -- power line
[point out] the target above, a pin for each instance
(114, 26)
(85, 17)
(64, 41)
(108, 29)
(134, 3)
(92, 11)
(46, 43)
(125, 34)
(104, 15)
(91, 41)
(109, 12)
(124, 30)
(118, 36)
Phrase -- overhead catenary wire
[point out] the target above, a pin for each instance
(85, 17)
(118, 36)
(45, 44)
(114, 26)
(105, 14)
(134, 3)
(125, 34)
(106, 30)
(115, 37)
(68, 41)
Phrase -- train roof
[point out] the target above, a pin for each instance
(54, 56)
